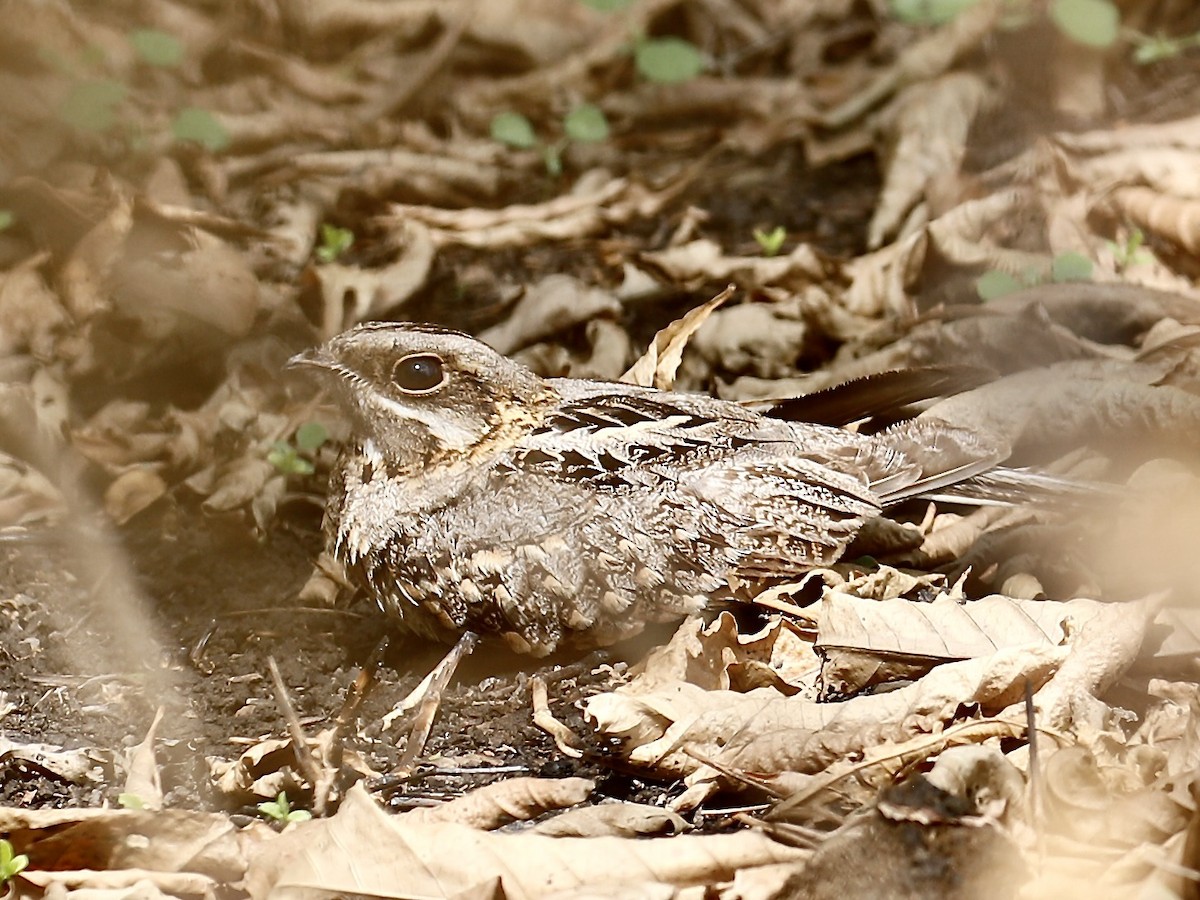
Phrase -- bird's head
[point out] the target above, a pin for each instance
(419, 392)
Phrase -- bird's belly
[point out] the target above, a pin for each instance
(541, 575)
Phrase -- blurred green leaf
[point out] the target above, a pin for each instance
(994, 284)
(199, 125)
(310, 436)
(287, 461)
(1095, 23)
(334, 242)
(929, 12)
(668, 60)
(608, 5)
(771, 242)
(130, 801)
(6, 219)
(552, 157)
(514, 130)
(586, 123)
(158, 48)
(11, 864)
(1070, 267)
(92, 105)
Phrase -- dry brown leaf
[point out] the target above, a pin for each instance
(1184, 133)
(511, 800)
(1165, 169)
(133, 491)
(27, 497)
(143, 778)
(352, 294)
(929, 135)
(83, 765)
(717, 657)
(199, 286)
(1105, 648)
(856, 780)
(924, 59)
(1175, 218)
(597, 201)
(867, 641)
(761, 732)
(30, 313)
(762, 338)
(658, 365)
(550, 305)
(393, 859)
(618, 819)
(704, 260)
(915, 843)
(164, 840)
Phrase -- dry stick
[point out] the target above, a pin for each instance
(304, 758)
(539, 697)
(423, 724)
(434, 60)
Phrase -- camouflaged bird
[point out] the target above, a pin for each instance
(553, 512)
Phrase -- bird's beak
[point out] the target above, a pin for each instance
(313, 357)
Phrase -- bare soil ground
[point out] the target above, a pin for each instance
(160, 518)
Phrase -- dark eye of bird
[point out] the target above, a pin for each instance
(418, 373)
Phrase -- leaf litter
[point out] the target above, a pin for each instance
(998, 702)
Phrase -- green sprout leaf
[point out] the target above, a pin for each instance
(131, 801)
(552, 157)
(11, 864)
(929, 12)
(310, 436)
(608, 5)
(668, 60)
(334, 242)
(1095, 23)
(586, 123)
(287, 460)
(158, 48)
(6, 219)
(92, 105)
(281, 811)
(1159, 47)
(199, 125)
(1132, 252)
(994, 284)
(514, 130)
(771, 242)
(1070, 267)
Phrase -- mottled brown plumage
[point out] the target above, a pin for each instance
(479, 496)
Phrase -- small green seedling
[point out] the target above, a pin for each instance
(92, 105)
(297, 458)
(1151, 49)
(771, 242)
(1094, 23)
(584, 124)
(1132, 252)
(334, 242)
(201, 127)
(667, 60)
(281, 811)
(11, 864)
(157, 48)
(130, 801)
(1067, 266)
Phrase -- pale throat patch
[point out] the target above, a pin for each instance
(447, 426)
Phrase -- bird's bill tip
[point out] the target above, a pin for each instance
(313, 357)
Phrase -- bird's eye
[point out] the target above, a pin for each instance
(419, 373)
